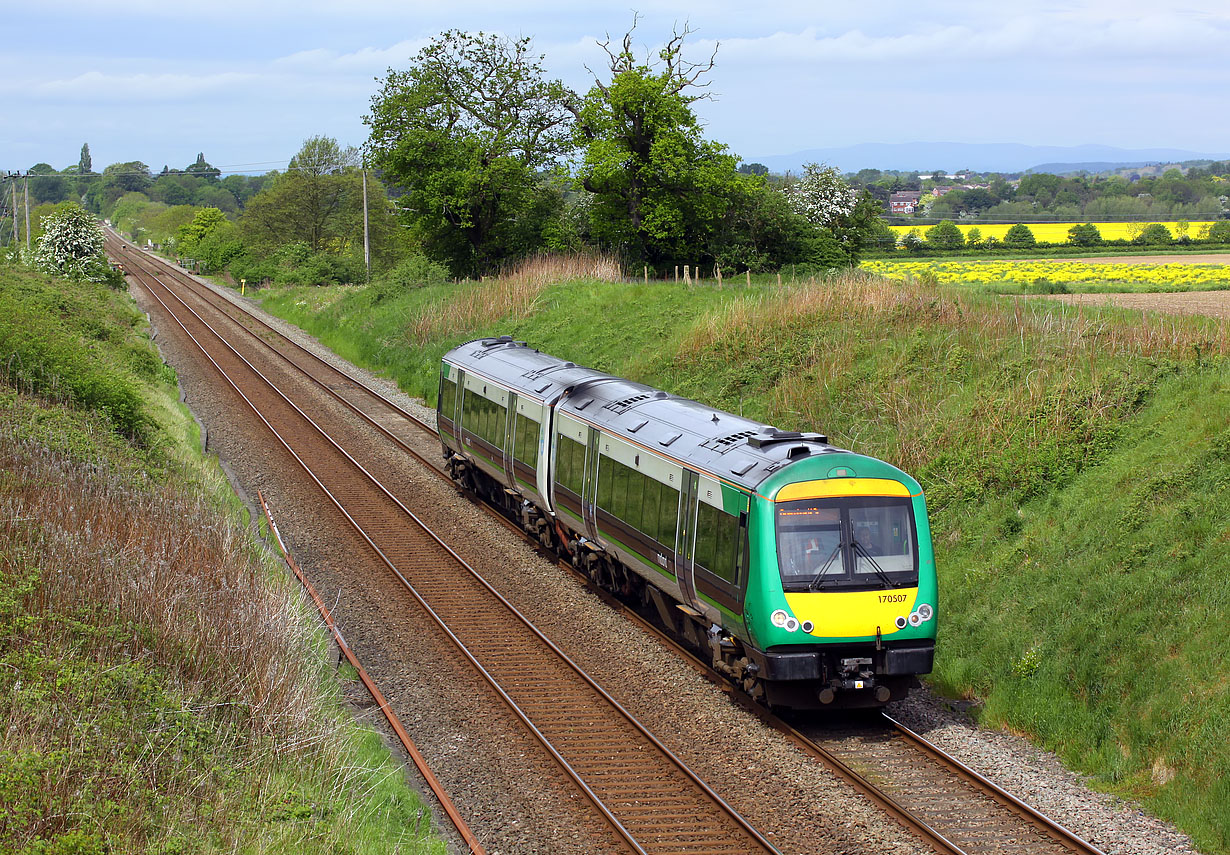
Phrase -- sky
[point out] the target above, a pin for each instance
(246, 83)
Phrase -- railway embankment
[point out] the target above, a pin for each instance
(163, 688)
(1076, 462)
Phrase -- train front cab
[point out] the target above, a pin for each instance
(841, 603)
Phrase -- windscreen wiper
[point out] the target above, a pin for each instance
(858, 547)
(816, 583)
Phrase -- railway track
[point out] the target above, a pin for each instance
(951, 807)
(649, 798)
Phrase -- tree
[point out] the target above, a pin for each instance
(467, 132)
(1084, 234)
(946, 235)
(1219, 232)
(847, 215)
(822, 195)
(201, 169)
(973, 238)
(660, 190)
(71, 245)
(753, 169)
(1018, 236)
(305, 203)
(84, 164)
(1154, 234)
(190, 234)
(50, 186)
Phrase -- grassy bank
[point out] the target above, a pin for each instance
(162, 687)
(1075, 460)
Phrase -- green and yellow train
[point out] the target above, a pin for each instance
(803, 571)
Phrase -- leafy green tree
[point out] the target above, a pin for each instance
(1085, 234)
(85, 164)
(1154, 234)
(305, 203)
(71, 245)
(201, 169)
(945, 235)
(660, 190)
(1019, 236)
(1219, 232)
(190, 234)
(118, 179)
(467, 133)
(973, 238)
(50, 186)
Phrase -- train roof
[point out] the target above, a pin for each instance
(727, 446)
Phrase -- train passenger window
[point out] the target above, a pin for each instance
(526, 444)
(448, 397)
(717, 535)
(569, 464)
(668, 520)
(651, 512)
(605, 485)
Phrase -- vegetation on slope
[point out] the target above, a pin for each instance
(133, 717)
(1075, 461)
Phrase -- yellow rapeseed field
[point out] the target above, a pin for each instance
(1058, 232)
(1075, 275)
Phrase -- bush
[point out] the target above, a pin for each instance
(1154, 234)
(1019, 235)
(1084, 234)
(1219, 232)
(946, 235)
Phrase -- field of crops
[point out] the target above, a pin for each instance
(1060, 275)
(1058, 232)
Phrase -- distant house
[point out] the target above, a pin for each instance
(904, 202)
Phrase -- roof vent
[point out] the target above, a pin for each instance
(765, 438)
(626, 404)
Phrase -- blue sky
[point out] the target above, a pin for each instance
(247, 82)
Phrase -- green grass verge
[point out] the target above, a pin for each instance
(131, 718)
(1074, 460)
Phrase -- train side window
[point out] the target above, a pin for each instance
(717, 534)
(525, 444)
(668, 521)
(570, 463)
(636, 499)
(448, 397)
(605, 485)
(652, 511)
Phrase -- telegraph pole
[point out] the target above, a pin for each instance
(15, 235)
(367, 246)
(27, 212)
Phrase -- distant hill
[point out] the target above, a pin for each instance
(980, 157)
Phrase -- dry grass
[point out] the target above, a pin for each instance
(914, 373)
(513, 293)
(108, 580)
(906, 304)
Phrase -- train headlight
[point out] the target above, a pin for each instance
(808, 626)
(901, 622)
(792, 625)
(779, 618)
(925, 611)
(915, 619)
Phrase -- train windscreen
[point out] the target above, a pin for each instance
(849, 543)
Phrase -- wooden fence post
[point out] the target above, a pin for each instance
(748, 273)
(687, 275)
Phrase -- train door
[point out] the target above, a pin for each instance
(589, 493)
(510, 425)
(685, 547)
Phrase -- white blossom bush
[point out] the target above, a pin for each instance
(71, 245)
(821, 196)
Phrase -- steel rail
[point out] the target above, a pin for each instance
(626, 714)
(412, 750)
(1027, 811)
